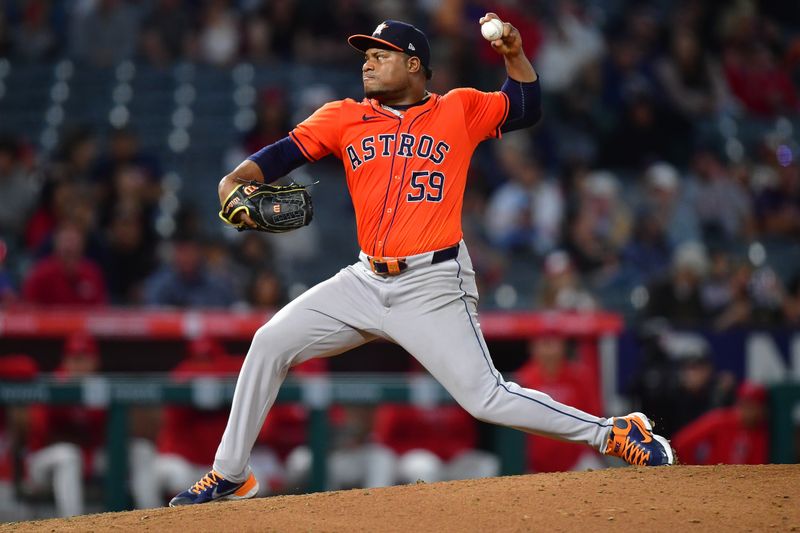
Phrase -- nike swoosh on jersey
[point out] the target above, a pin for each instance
(365, 117)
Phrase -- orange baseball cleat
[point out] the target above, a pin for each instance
(632, 439)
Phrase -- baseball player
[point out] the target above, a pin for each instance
(405, 153)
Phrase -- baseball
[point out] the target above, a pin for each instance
(492, 29)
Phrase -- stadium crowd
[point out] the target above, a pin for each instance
(641, 176)
(662, 182)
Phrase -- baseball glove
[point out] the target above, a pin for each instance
(274, 208)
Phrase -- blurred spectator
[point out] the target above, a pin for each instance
(35, 38)
(67, 277)
(525, 213)
(250, 267)
(700, 386)
(677, 297)
(571, 42)
(549, 370)
(693, 82)
(75, 156)
(281, 458)
(561, 288)
(722, 199)
(755, 297)
(778, 204)
(14, 420)
(601, 225)
(165, 32)
(104, 32)
(67, 191)
(657, 375)
(791, 304)
(272, 30)
(758, 81)
(666, 199)
(435, 443)
(266, 291)
(6, 42)
(734, 435)
(126, 173)
(251, 255)
(129, 257)
(218, 40)
(284, 432)
(317, 36)
(354, 460)
(626, 71)
(644, 133)
(185, 281)
(65, 441)
(19, 188)
(8, 291)
(59, 204)
(718, 288)
(188, 437)
(647, 254)
(272, 120)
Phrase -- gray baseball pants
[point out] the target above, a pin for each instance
(431, 311)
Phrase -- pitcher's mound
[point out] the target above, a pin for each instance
(678, 498)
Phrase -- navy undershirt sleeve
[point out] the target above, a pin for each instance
(278, 159)
(524, 104)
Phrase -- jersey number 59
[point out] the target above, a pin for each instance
(427, 186)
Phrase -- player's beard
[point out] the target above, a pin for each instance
(376, 93)
(382, 94)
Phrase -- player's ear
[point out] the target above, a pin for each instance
(414, 64)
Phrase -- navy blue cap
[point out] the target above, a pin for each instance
(398, 36)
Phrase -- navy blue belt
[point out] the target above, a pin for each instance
(392, 266)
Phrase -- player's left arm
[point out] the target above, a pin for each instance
(522, 85)
(266, 165)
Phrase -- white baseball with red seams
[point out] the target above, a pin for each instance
(492, 29)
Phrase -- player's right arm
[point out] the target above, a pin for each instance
(311, 140)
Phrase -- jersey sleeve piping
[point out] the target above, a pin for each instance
(302, 148)
(497, 132)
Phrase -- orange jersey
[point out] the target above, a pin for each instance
(406, 174)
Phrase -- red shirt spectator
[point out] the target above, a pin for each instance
(446, 431)
(77, 424)
(759, 83)
(67, 277)
(571, 383)
(734, 435)
(186, 431)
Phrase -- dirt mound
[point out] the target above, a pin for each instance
(718, 498)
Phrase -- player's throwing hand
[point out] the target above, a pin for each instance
(510, 43)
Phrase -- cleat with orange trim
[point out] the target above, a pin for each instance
(214, 487)
(633, 440)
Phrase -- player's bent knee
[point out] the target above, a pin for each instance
(270, 343)
(479, 409)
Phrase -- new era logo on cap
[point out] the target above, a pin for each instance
(398, 36)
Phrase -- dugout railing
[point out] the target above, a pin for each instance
(318, 393)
